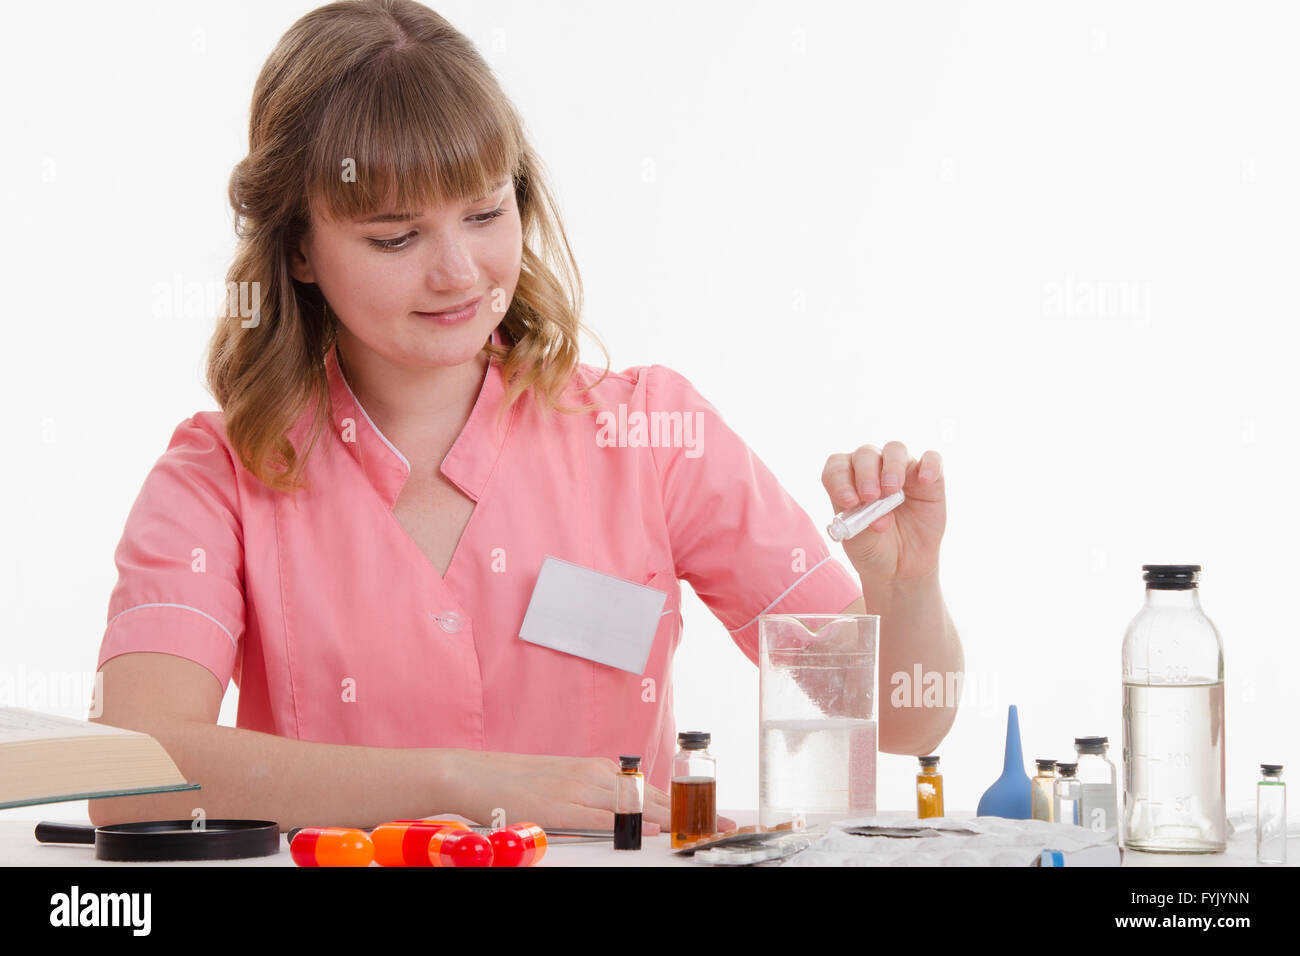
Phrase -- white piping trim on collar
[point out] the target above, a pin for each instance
(496, 338)
(384, 437)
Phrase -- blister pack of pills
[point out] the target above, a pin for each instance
(772, 850)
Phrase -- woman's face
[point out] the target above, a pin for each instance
(379, 275)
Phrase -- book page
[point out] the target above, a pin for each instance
(19, 724)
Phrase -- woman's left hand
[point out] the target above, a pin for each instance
(904, 544)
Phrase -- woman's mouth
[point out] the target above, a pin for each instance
(455, 314)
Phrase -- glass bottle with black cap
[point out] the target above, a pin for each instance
(694, 789)
(1174, 800)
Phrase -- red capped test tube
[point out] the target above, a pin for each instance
(406, 842)
(520, 844)
(450, 846)
(331, 846)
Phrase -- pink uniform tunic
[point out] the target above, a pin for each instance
(337, 628)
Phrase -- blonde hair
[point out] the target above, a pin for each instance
(390, 87)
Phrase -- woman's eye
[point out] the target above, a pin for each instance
(401, 242)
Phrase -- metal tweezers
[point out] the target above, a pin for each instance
(579, 836)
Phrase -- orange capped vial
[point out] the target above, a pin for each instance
(331, 846)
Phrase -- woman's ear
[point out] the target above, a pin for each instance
(299, 265)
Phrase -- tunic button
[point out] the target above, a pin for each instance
(450, 622)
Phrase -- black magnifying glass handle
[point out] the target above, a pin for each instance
(47, 832)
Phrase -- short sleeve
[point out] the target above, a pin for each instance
(738, 538)
(180, 560)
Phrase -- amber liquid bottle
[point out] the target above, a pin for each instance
(694, 789)
(929, 788)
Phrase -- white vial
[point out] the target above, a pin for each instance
(848, 524)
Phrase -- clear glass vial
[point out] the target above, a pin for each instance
(1066, 806)
(694, 789)
(629, 802)
(1270, 815)
(1174, 797)
(1042, 801)
(929, 788)
(1098, 806)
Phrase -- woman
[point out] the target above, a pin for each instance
(357, 536)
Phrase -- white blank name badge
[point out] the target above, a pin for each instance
(593, 615)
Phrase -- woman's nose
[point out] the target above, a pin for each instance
(451, 265)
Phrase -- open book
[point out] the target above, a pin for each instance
(49, 759)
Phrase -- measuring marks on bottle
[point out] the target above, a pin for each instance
(1173, 753)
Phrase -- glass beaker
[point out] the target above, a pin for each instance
(817, 717)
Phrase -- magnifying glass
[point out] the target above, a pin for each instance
(161, 840)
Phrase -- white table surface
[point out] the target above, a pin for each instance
(18, 847)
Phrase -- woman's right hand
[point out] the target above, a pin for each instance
(553, 792)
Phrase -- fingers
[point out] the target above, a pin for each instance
(658, 808)
(870, 473)
(893, 472)
(866, 472)
(597, 795)
(837, 479)
(931, 468)
(585, 818)
(589, 801)
(656, 797)
(893, 468)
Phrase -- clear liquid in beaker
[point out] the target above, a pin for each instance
(1173, 760)
(819, 769)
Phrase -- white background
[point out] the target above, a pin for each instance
(845, 223)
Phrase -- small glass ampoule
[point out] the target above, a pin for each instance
(1270, 815)
(848, 524)
(1066, 805)
(929, 788)
(629, 801)
(1043, 791)
(1098, 795)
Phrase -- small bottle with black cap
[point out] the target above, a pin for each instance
(694, 789)
(629, 802)
(1042, 802)
(1098, 806)
(1270, 815)
(1065, 808)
